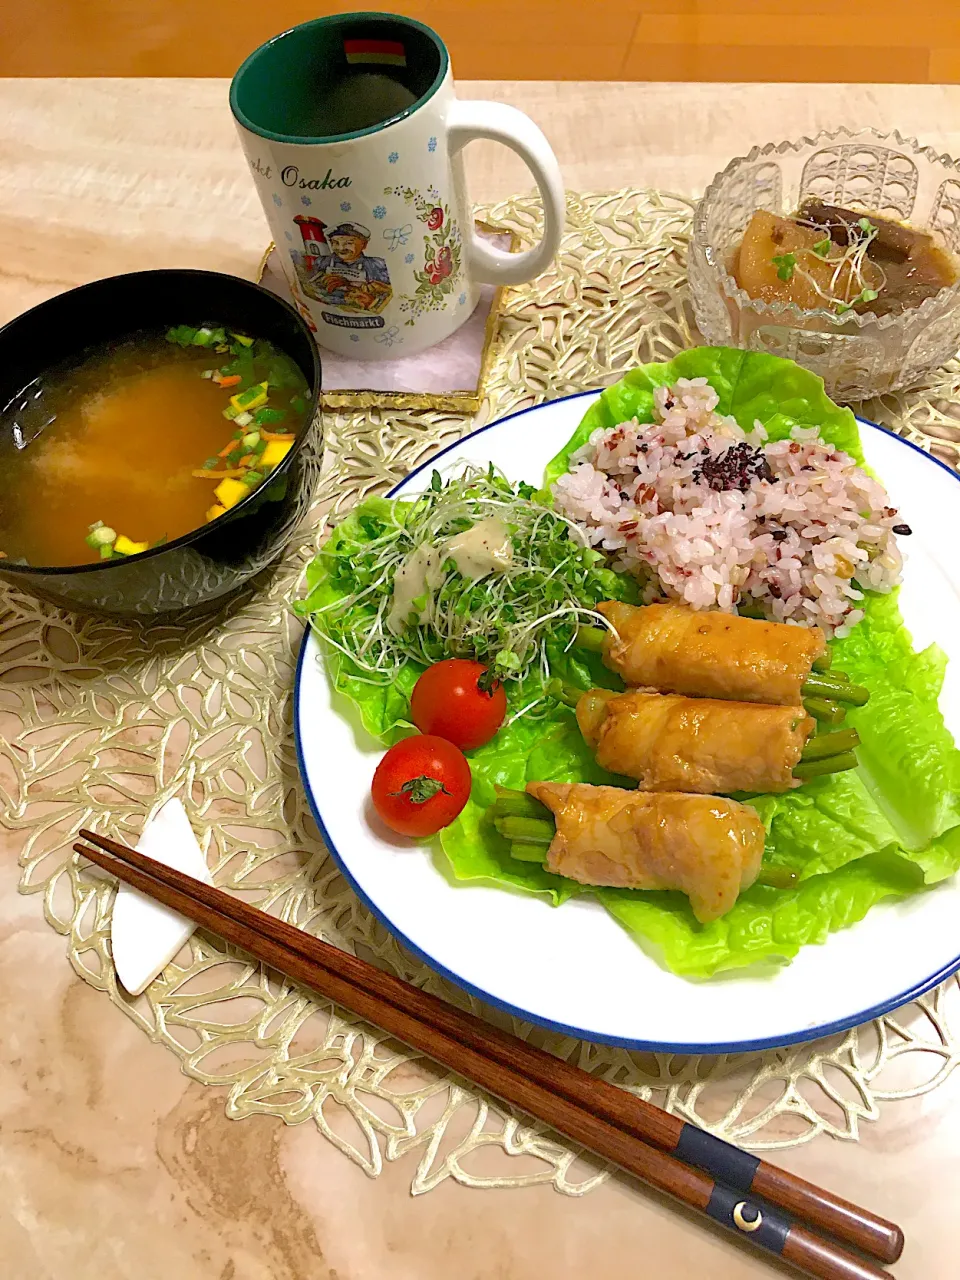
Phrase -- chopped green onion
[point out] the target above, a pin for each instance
(211, 464)
(252, 398)
(230, 412)
(253, 477)
(263, 417)
(182, 334)
(208, 373)
(100, 535)
(202, 337)
(234, 457)
(252, 440)
(106, 553)
(242, 339)
(243, 419)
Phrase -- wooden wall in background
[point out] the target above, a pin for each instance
(914, 41)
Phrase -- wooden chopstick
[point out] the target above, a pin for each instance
(592, 1112)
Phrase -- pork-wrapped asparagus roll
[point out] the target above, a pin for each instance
(671, 743)
(718, 655)
(707, 847)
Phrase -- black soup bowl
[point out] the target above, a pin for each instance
(218, 558)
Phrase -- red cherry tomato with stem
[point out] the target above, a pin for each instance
(420, 785)
(459, 700)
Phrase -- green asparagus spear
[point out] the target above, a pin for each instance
(565, 693)
(832, 764)
(528, 852)
(526, 830)
(592, 638)
(834, 688)
(831, 744)
(777, 877)
(517, 804)
(824, 710)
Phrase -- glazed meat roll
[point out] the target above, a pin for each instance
(706, 847)
(671, 743)
(710, 655)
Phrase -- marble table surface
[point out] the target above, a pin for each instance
(113, 1165)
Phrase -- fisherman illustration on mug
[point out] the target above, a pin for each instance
(346, 275)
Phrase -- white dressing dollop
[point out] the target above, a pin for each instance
(485, 548)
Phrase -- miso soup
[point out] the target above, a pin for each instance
(138, 443)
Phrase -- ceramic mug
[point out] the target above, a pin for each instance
(354, 138)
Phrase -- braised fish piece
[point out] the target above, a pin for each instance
(671, 743)
(705, 846)
(710, 655)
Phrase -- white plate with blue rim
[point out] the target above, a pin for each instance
(572, 968)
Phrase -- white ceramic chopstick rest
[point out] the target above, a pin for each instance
(144, 935)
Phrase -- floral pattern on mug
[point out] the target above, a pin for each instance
(440, 273)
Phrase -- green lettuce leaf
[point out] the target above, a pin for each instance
(752, 386)
(765, 924)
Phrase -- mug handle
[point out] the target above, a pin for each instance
(468, 120)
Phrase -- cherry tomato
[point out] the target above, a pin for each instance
(457, 700)
(420, 785)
